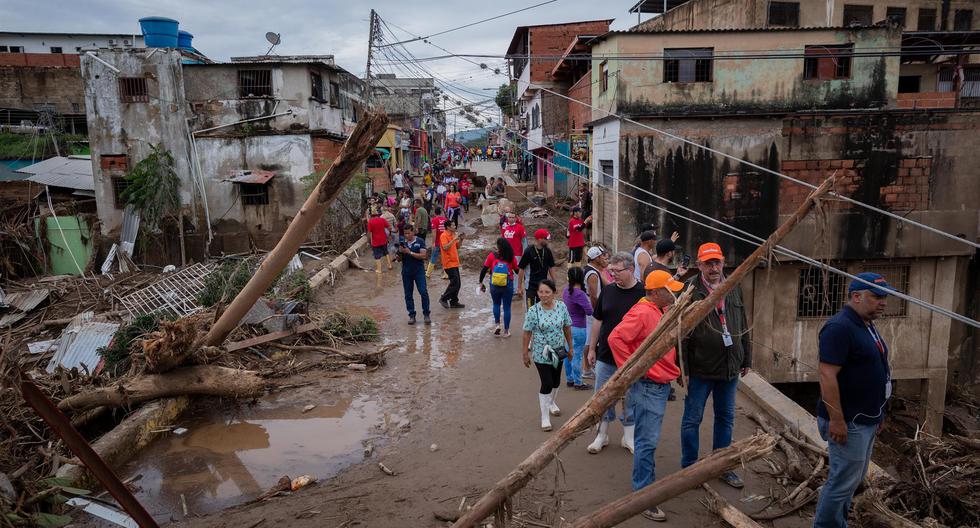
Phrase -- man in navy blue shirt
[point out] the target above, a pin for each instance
(855, 384)
(413, 253)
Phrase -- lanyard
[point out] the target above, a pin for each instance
(877, 339)
(719, 308)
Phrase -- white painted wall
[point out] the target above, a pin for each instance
(535, 135)
(605, 146)
(69, 43)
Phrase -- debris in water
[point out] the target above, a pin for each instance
(387, 471)
(302, 482)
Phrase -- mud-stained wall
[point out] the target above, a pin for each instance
(742, 86)
(26, 87)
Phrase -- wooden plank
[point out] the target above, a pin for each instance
(274, 336)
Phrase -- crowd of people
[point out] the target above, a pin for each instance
(611, 302)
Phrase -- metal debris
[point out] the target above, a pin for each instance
(174, 295)
(80, 343)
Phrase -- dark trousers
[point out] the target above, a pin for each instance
(452, 291)
(550, 377)
(411, 279)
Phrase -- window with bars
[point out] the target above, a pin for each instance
(254, 193)
(603, 76)
(133, 90)
(827, 62)
(11, 49)
(334, 94)
(119, 184)
(927, 20)
(784, 14)
(897, 276)
(688, 65)
(963, 20)
(255, 83)
(316, 84)
(820, 293)
(896, 15)
(858, 15)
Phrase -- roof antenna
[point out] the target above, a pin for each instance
(273, 39)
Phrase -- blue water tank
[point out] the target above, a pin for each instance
(159, 32)
(184, 39)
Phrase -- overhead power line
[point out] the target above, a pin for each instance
(471, 24)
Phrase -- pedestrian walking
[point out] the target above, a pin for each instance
(715, 354)
(413, 253)
(448, 248)
(464, 191)
(503, 163)
(595, 280)
(536, 264)
(454, 202)
(398, 182)
(641, 253)
(855, 386)
(513, 231)
(576, 236)
(438, 224)
(378, 232)
(650, 393)
(579, 307)
(420, 219)
(547, 342)
(501, 265)
(614, 301)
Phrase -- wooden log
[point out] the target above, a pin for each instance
(678, 322)
(360, 144)
(730, 514)
(204, 380)
(794, 464)
(673, 485)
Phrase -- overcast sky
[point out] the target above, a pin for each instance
(225, 28)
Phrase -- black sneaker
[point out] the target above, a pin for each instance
(732, 479)
(457, 305)
(569, 383)
(427, 320)
(411, 320)
(444, 304)
(583, 387)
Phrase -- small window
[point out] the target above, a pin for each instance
(784, 14)
(119, 184)
(76, 108)
(827, 62)
(606, 167)
(254, 193)
(55, 49)
(133, 90)
(15, 49)
(897, 276)
(317, 86)
(3, 49)
(334, 94)
(896, 15)
(927, 19)
(688, 65)
(909, 83)
(255, 83)
(963, 20)
(820, 294)
(858, 15)
(603, 76)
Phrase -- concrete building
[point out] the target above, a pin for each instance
(412, 105)
(243, 136)
(65, 43)
(820, 101)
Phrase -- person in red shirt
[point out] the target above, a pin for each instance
(464, 191)
(514, 232)
(438, 224)
(649, 394)
(377, 228)
(501, 266)
(576, 236)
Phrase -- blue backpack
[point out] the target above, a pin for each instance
(500, 274)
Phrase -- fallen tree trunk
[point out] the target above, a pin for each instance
(728, 513)
(673, 485)
(678, 322)
(360, 144)
(202, 380)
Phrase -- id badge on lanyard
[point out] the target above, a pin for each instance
(726, 336)
(881, 350)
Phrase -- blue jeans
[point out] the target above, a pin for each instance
(604, 371)
(435, 253)
(649, 405)
(502, 296)
(848, 465)
(573, 363)
(411, 279)
(722, 394)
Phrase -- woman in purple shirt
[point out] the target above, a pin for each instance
(580, 309)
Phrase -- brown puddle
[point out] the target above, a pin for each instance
(221, 462)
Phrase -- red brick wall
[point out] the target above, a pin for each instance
(553, 40)
(910, 190)
(324, 152)
(51, 60)
(579, 115)
(927, 100)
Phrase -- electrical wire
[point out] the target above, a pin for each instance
(471, 24)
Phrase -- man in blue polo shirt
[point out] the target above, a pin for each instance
(855, 384)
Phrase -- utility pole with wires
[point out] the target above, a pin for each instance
(372, 37)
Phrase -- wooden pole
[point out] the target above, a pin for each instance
(678, 321)
(358, 147)
(676, 483)
(727, 512)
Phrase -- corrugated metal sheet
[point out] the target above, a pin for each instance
(27, 300)
(80, 346)
(251, 176)
(74, 172)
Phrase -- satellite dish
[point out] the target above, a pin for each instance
(273, 38)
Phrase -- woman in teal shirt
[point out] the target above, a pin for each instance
(547, 340)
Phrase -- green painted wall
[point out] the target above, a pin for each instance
(70, 247)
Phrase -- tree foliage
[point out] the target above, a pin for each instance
(507, 99)
(154, 189)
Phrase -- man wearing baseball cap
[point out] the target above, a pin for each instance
(649, 394)
(855, 385)
(715, 354)
(595, 279)
(665, 250)
(538, 262)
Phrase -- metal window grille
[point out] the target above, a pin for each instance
(927, 20)
(255, 83)
(963, 20)
(971, 83)
(820, 293)
(254, 193)
(176, 295)
(133, 90)
(946, 80)
(897, 276)
(688, 65)
(858, 15)
(317, 86)
(119, 184)
(603, 76)
(55, 49)
(896, 15)
(784, 14)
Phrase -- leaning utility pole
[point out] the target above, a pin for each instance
(372, 35)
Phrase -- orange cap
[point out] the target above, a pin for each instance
(661, 279)
(710, 251)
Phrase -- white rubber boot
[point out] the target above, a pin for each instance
(552, 406)
(601, 439)
(627, 441)
(544, 402)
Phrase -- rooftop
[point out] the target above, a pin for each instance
(323, 60)
(656, 6)
(521, 30)
(135, 34)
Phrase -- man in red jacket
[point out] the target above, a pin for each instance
(649, 394)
